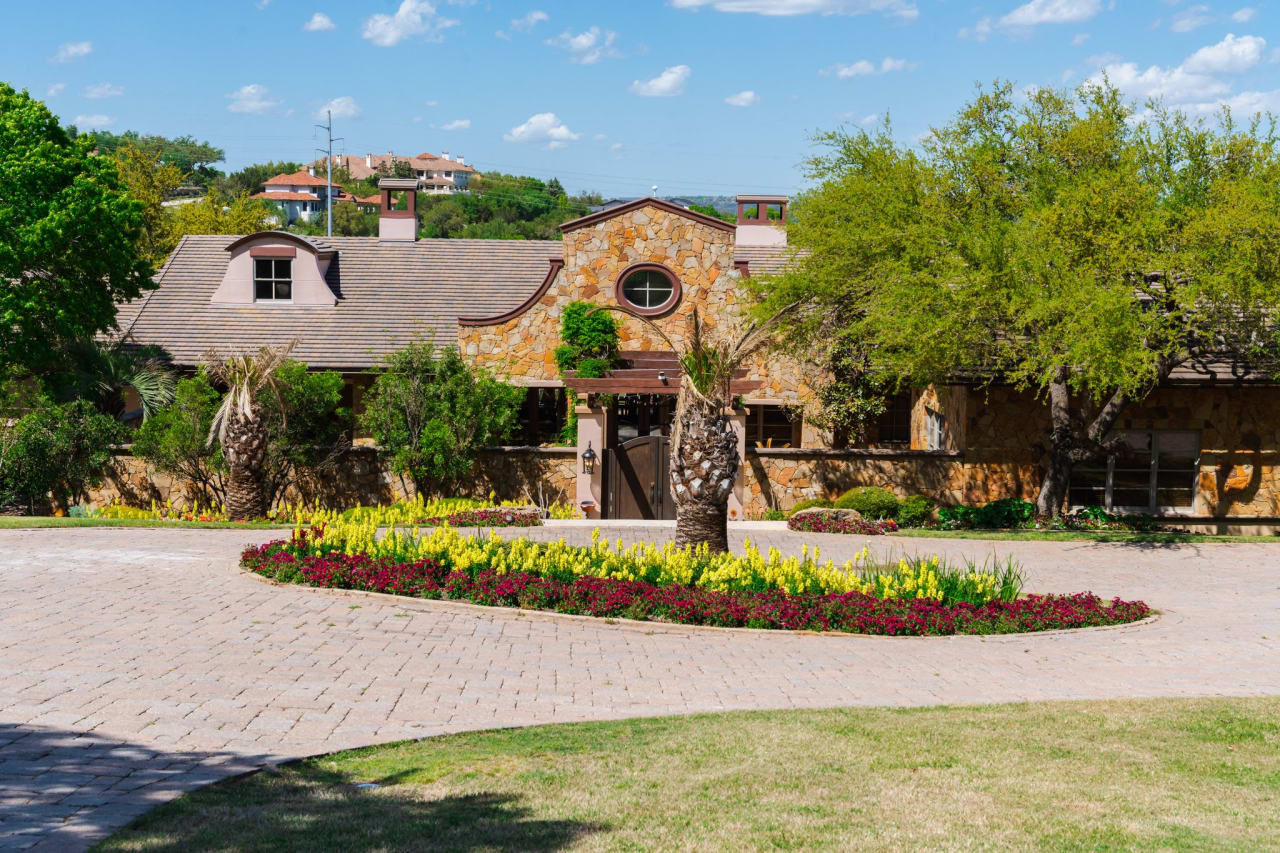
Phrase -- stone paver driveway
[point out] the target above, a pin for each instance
(135, 665)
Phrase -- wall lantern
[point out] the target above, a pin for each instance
(588, 460)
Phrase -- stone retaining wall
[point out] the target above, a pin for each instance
(539, 475)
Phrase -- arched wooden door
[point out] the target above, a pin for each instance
(639, 479)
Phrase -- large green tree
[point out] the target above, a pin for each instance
(1058, 242)
(69, 236)
(190, 157)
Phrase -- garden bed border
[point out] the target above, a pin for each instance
(655, 626)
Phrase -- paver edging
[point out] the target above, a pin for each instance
(647, 627)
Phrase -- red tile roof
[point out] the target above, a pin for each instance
(301, 178)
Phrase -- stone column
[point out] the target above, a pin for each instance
(738, 420)
(592, 429)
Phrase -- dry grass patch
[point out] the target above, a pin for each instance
(1154, 774)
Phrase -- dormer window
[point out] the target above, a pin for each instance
(273, 279)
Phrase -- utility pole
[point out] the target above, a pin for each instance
(328, 169)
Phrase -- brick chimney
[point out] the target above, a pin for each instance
(398, 224)
(762, 220)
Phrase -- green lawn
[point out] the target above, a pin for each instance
(1146, 775)
(22, 521)
(1076, 536)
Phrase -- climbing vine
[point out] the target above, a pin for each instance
(589, 348)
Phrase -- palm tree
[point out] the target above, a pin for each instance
(240, 426)
(704, 448)
(105, 371)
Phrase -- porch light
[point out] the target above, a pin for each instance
(588, 460)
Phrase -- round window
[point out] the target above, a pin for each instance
(649, 289)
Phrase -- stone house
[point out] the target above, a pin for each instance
(1203, 448)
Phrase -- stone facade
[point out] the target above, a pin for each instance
(701, 255)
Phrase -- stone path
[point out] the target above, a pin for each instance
(135, 665)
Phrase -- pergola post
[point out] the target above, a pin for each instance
(738, 421)
(593, 428)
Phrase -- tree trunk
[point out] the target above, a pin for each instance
(245, 449)
(1053, 490)
(704, 467)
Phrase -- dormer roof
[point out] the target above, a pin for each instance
(314, 246)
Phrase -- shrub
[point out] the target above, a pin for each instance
(55, 450)
(915, 511)
(811, 503)
(1004, 513)
(431, 412)
(955, 517)
(871, 502)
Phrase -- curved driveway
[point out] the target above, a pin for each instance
(136, 665)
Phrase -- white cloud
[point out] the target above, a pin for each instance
(617, 146)
(1196, 82)
(1190, 18)
(587, 47)
(1079, 39)
(1051, 12)
(457, 124)
(978, 32)
(72, 50)
(867, 121)
(865, 68)
(543, 127)
(344, 107)
(54, 90)
(413, 18)
(529, 21)
(103, 90)
(600, 137)
(253, 99)
(91, 122)
(667, 84)
(745, 98)
(1244, 16)
(432, 103)
(319, 22)
(894, 8)
(1230, 56)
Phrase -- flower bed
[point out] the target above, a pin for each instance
(489, 517)
(833, 521)
(689, 586)
(853, 612)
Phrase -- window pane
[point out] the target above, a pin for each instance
(1088, 486)
(262, 290)
(894, 426)
(647, 289)
(262, 268)
(284, 268)
(1139, 498)
(284, 290)
(1177, 450)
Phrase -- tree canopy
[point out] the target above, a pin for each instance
(69, 236)
(1059, 242)
(192, 158)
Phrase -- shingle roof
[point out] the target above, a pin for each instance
(763, 260)
(276, 195)
(388, 295)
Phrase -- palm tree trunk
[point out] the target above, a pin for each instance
(704, 467)
(245, 449)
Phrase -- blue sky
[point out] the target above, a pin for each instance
(694, 96)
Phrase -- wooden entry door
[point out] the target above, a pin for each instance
(639, 479)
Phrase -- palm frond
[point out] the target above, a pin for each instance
(244, 375)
